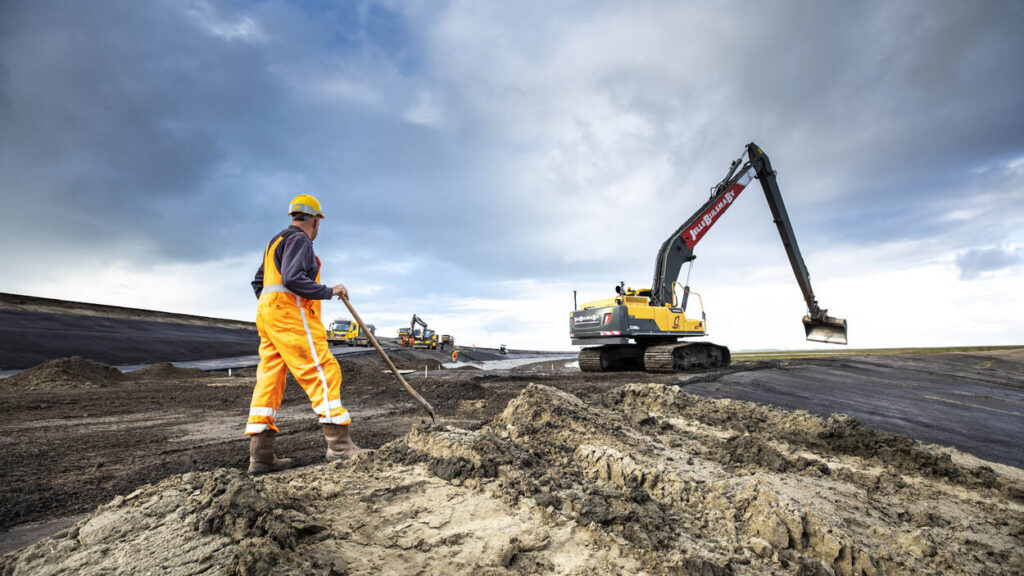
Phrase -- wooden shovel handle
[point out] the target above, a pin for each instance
(391, 365)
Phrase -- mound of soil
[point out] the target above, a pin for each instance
(165, 371)
(642, 479)
(756, 427)
(73, 372)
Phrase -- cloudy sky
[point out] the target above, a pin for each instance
(479, 161)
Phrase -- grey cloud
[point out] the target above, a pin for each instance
(974, 262)
(107, 121)
(890, 107)
(142, 128)
(138, 127)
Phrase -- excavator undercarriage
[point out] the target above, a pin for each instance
(664, 358)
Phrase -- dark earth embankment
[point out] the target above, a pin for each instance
(29, 338)
(35, 330)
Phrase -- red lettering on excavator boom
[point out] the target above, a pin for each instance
(701, 226)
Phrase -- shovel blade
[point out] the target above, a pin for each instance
(826, 329)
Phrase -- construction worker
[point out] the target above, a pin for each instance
(292, 337)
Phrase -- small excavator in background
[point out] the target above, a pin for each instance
(427, 340)
(641, 329)
(414, 338)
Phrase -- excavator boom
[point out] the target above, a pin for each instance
(678, 248)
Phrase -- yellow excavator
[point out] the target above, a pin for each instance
(413, 338)
(642, 329)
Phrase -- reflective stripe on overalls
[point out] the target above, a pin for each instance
(292, 337)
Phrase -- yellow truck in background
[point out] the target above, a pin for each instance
(342, 331)
(345, 331)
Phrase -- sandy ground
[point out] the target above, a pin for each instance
(538, 469)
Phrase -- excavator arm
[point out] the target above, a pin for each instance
(818, 325)
(678, 248)
(416, 320)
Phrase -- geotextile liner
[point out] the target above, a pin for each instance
(646, 479)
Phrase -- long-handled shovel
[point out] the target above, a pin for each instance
(369, 334)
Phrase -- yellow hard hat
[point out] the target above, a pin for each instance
(305, 204)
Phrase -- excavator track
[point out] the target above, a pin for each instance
(684, 356)
(662, 358)
(612, 358)
(590, 360)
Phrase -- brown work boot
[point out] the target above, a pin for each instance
(261, 454)
(339, 443)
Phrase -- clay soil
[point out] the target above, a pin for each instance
(539, 469)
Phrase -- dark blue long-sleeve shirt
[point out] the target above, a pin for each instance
(297, 263)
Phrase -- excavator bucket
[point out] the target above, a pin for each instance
(825, 329)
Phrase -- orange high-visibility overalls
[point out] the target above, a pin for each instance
(293, 337)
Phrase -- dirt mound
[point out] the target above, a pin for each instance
(73, 372)
(165, 371)
(645, 479)
(762, 428)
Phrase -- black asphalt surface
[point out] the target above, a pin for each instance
(972, 402)
(28, 338)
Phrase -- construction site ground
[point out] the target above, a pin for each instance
(539, 468)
